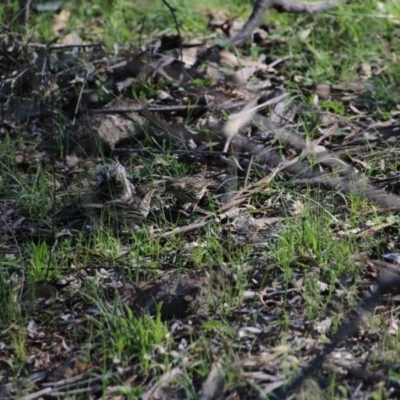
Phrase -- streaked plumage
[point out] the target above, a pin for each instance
(128, 210)
(131, 210)
(112, 182)
(189, 189)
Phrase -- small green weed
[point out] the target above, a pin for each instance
(43, 264)
(126, 336)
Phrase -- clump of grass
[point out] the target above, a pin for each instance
(43, 266)
(330, 46)
(126, 337)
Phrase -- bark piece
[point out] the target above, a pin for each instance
(96, 134)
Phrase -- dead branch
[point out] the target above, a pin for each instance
(198, 225)
(386, 285)
(358, 184)
(261, 6)
(172, 10)
(351, 182)
(224, 211)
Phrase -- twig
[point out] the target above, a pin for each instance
(176, 26)
(387, 284)
(37, 395)
(198, 225)
(188, 108)
(63, 46)
(143, 108)
(166, 378)
(221, 213)
(246, 179)
(78, 102)
(188, 152)
(261, 6)
(250, 189)
(68, 384)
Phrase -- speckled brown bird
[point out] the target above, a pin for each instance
(128, 210)
(112, 182)
(131, 210)
(190, 189)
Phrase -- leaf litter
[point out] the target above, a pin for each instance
(223, 116)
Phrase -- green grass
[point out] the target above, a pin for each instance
(116, 23)
(309, 265)
(126, 338)
(331, 46)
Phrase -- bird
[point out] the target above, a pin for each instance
(127, 210)
(132, 209)
(190, 189)
(112, 182)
